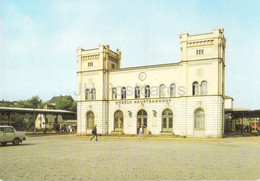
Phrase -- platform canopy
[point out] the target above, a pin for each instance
(31, 110)
(241, 113)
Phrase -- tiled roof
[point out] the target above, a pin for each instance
(56, 98)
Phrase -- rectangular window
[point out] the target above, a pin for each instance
(90, 64)
(200, 52)
(113, 66)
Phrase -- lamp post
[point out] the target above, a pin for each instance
(35, 102)
(34, 119)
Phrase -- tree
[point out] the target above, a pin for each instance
(35, 101)
(64, 104)
(74, 107)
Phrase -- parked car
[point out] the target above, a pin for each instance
(9, 134)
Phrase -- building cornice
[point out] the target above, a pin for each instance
(101, 70)
(146, 67)
(154, 98)
(156, 66)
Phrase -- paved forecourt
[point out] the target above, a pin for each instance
(69, 157)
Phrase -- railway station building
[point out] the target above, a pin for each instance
(186, 98)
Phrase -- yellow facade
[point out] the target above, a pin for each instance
(185, 98)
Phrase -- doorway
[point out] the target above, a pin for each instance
(142, 120)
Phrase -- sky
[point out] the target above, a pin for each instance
(38, 40)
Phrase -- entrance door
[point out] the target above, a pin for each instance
(167, 119)
(119, 121)
(90, 120)
(142, 120)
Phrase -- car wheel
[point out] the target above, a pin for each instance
(4, 143)
(16, 141)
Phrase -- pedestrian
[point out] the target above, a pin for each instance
(249, 128)
(94, 132)
(138, 128)
(141, 132)
(70, 129)
(64, 129)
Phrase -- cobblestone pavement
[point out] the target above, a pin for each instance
(70, 157)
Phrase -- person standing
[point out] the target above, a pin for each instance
(249, 128)
(70, 129)
(94, 132)
(138, 128)
(141, 132)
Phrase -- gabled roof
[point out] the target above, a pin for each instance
(56, 98)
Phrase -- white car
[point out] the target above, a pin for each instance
(9, 134)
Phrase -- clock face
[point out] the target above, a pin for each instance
(142, 76)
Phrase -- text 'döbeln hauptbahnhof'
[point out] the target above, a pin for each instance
(184, 98)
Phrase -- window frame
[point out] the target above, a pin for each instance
(137, 92)
(204, 88)
(199, 115)
(162, 91)
(195, 88)
(87, 94)
(114, 93)
(147, 91)
(93, 94)
(123, 93)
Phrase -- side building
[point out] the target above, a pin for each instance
(185, 98)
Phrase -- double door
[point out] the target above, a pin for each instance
(167, 120)
(142, 120)
(167, 124)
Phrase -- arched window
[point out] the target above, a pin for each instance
(114, 93)
(167, 117)
(90, 120)
(173, 90)
(87, 94)
(93, 94)
(195, 88)
(204, 88)
(123, 93)
(199, 119)
(147, 91)
(118, 120)
(142, 112)
(137, 92)
(162, 90)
